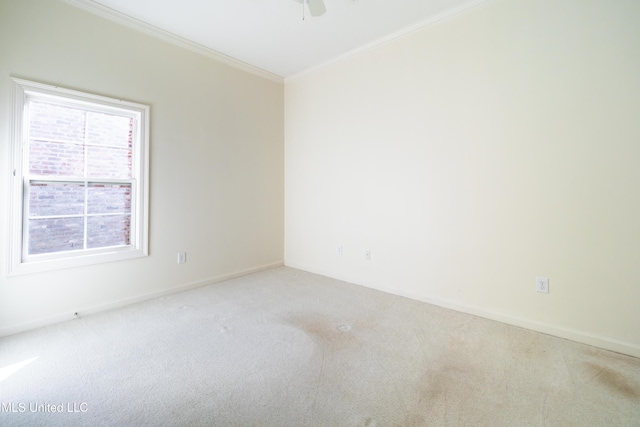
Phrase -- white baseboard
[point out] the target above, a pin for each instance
(83, 311)
(572, 335)
(582, 337)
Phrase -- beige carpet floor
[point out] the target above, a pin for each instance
(289, 348)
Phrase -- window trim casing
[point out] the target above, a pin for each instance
(22, 90)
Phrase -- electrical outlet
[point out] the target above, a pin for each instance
(182, 257)
(340, 250)
(542, 285)
(367, 255)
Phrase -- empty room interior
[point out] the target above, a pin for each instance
(326, 213)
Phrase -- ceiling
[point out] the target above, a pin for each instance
(270, 35)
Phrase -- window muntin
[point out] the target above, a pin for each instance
(80, 190)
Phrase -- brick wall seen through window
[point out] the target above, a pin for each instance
(80, 167)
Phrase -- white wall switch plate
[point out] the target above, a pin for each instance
(182, 257)
(340, 250)
(367, 255)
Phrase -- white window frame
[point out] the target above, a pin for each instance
(21, 263)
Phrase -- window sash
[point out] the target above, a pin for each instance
(27, 257)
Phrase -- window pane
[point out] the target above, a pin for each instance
(109, 198)
(56, 158)
(105, 162)
(56, 122)
(56, 199)
(108, 129)
(103, 231)
(55, 235)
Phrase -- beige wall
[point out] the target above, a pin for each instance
(216, 158)
(475, 155)
(469, 157)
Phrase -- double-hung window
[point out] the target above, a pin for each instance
(80, 179)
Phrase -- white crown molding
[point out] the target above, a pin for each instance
(429, 22)
(120, 18)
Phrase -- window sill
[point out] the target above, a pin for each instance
(80, 260)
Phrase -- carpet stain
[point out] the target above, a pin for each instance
(370, 422)
(449, 377)
(413, 420)
(446, 384)
(527, 345)
(613, 380)
(328, 338)
(322, 331)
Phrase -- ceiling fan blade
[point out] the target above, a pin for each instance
(316, 7)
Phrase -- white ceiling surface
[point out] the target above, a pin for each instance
(271, 35)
